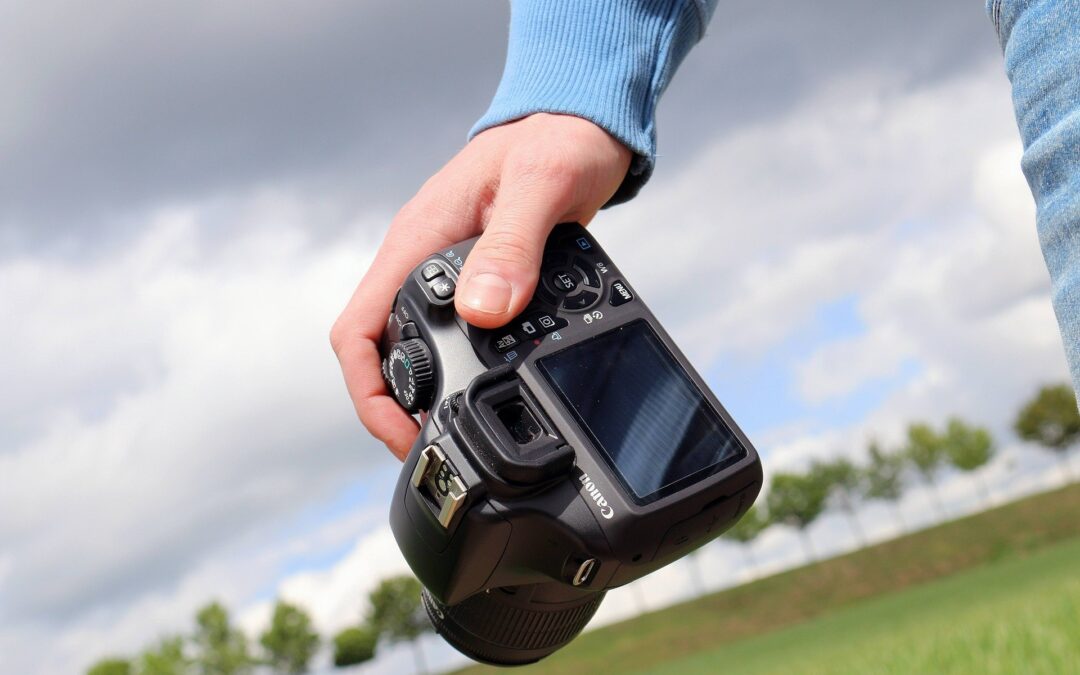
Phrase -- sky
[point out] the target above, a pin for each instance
(837, 234)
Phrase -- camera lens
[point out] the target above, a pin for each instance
(515, 625)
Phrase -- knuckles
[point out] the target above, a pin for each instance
(338, 334)
(553, 173)
(508, 245)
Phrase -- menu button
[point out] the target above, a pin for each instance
(620, 294)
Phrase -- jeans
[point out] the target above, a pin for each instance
(1041, 42)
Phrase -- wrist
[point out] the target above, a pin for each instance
(606, 61)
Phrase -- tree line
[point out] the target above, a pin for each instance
(289, 643)
(395, 613)
(796, 499)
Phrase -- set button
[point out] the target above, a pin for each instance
(575, 287)
(565, 281)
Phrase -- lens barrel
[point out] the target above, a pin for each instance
(513, 626)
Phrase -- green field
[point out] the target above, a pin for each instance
(998, 592)
(1015, 616)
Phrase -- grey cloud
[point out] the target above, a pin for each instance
(121, 106)
(243, 422)
(115, 108)
(760, 58)
(120, 109)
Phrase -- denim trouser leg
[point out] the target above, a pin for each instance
(1041, 41)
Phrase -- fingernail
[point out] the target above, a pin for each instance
(488, 293)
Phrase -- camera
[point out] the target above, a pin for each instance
(569, 452)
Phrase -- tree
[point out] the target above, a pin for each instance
(289, 642)
(165, 658)
(797, 500)
(219, 648)
(110, 666)
(354, 645)
(883, 478)
(1052, 420)
(840, 479)
(969, 448)
(746, 530)
(397, 613)
(926, 451)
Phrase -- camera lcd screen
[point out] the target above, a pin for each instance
(642, 410)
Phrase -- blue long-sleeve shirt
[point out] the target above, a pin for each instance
(609, 61)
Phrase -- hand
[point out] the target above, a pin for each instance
(513, 183)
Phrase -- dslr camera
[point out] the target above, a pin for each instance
(572, 451)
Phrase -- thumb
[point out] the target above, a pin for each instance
(500, 274)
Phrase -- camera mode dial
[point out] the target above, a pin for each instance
(409, 374)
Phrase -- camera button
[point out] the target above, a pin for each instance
(432, 270)
(565, 281)
(620, 294)
(528, 329)
(592, 278)
(443, 288)
(582, 300)
(582, 244)
(505, 342)
(549, 323)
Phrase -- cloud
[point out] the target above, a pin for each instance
(952, 294)
(227, 411)
(783, 214)
(112, 112)
(337, 597)
(842, 367)
(190, 194)
(909, 200)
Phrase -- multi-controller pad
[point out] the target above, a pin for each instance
(578, 287)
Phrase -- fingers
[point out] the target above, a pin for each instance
(415, 233)
(514, 183)
(355, 338)
(500, 273)
(380, 413)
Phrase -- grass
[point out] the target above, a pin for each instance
(875, 610)
(1015, 616)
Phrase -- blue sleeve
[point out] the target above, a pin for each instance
(1041, 41)
(606, 61)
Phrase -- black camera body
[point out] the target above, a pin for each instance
(572, 451)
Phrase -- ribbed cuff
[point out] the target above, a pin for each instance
(606, 61)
